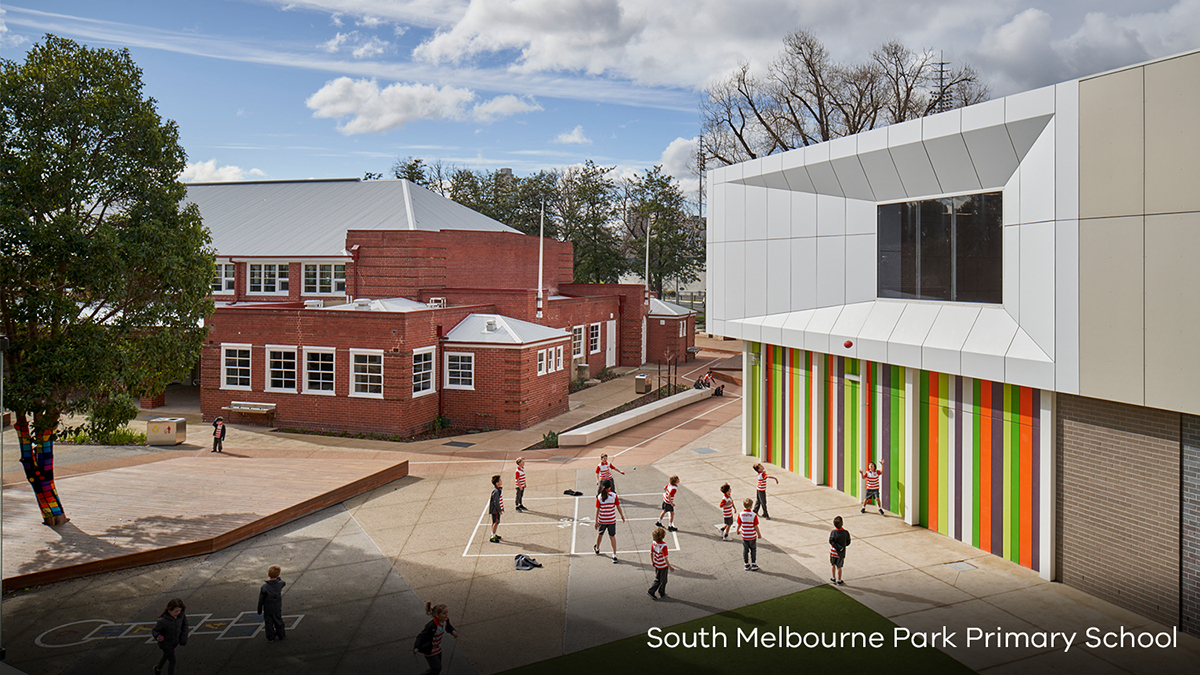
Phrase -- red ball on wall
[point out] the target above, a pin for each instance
(848, 344)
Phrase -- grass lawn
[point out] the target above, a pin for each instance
(822, 609)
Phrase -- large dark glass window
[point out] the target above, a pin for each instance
(947, 249)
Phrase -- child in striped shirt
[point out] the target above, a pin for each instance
(607, 508)
(762, 490)
(604, 472)
(839, 539)
(871, 476)
(750, 532)
(658, 556)
(429, 640)
(726, 505)
(496, 507)
(668, 505)
(520, 484)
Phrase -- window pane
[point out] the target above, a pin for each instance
(368, 374)
(256, 278)
(310, 278)
(339, 278)
(237, 367)
(460, 370)
(936, 251)
(283, 370)
(980, 240)
(422, 372)
(319, 367)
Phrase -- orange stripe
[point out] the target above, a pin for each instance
(931, 480)
(1026, 519)
(985, 468)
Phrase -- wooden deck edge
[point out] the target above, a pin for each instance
(213, 544)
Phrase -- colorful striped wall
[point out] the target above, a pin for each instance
(968, 455)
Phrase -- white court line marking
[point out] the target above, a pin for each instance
(733, 400)
(574, 532)
(468, 546)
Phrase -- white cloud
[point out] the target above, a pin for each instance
(335, 43)
(369, 48)
(9, 40)
(370, 22)
(503, 106)
(574, 136)
(209, 172)
(335, 18)
(372, 109)
(679, 160)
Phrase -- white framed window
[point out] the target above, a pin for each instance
(268, 278)
(225, 279)
(366, 373)
(423, 379)
(577, 341)
(682, 327)
(281, 368)
(460, 370)
(321, 278)
(558, 358)
(235, 366)
(318, 370)
(541, 362)
(594, 338)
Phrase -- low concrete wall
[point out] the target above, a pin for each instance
(595, 431)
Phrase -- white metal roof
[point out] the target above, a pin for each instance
(664, 308)
(497, 329)
(309, 218)
(382, 305)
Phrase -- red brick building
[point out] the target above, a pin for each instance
(378, 306)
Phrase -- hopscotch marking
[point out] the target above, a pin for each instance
(244, 626)
(573, 522)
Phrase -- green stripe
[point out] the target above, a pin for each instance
(976, 430)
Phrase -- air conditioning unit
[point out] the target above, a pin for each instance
(314, 304)
(436, 303)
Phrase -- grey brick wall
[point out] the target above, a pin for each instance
(1118, 504)
(1190, 554)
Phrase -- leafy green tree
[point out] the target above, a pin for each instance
(104, 274)
(655, 207)
(585, 205)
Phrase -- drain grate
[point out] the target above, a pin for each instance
(560, 459)
(961, 566)
(703, 451)
(458, 444)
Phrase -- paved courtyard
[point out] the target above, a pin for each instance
(359, 572)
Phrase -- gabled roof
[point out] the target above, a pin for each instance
(664, 308)
(310, 218)
(497, 329)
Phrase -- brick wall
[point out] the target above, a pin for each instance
(663, 341)
(630, 311)
(508, 393)
(1190, 558)
(396, 333)
(1118, 504)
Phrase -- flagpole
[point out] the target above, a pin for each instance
(541, 245)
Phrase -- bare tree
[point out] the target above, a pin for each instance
(806, 97)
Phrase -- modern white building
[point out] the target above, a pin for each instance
(1001, 303)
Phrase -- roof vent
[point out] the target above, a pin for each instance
(362, 303)
(436, 302)
(314, 304)
(490, 326)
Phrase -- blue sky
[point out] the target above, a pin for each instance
(334, 88)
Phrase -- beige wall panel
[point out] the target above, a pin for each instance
(1173, 312)
(1173, 135)
(1111, 145)
(1111, 299)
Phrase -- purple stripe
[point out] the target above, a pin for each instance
(840, 449)
(885, 427)
(997, 413)
(956, 498)
(1037, 474)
